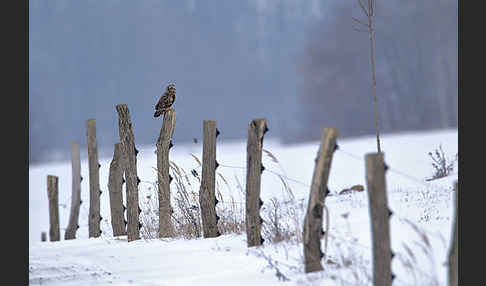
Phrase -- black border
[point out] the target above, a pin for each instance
(15, 143)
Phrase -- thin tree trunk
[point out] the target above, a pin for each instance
(373, 76)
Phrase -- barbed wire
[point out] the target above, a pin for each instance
(349, 154)
(393, 170)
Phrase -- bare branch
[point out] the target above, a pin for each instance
(371, 8)
(363, 8)
(360, 30)
(360, 22)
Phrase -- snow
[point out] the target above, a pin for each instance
(226, 260)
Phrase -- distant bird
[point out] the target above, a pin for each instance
(166, 101)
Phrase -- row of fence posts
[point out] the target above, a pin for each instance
(123, 170)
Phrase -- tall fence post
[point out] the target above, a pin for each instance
(53, 195)
(207, 196)
(94, 180)
(164, 143)
(313, 231)
(254, 167)
(453, 250)
(127, 141)
(380, 219)
(115, 183)
(76, 192)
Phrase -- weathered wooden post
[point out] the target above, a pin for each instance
(254, 167)
(127, 141)
(380, 219)
(313, 231)
(76, 192)
(164, 143)
(207, 196)
(53, 195)
(115, 183)
(43, 236)
(453, 250)
(94, 180)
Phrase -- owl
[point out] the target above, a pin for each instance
(166, 101)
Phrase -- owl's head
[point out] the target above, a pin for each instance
(171, 88)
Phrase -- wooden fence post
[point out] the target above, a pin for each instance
(53, 195)
(207, 197)
(313, 231)
(380, 222)
(76, 192)
(453, 250)
(43, 236)
(164, 143)
(115, 183)
(127, 141)
(94, 180)
(254, 167)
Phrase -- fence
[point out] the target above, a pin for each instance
(123, 170)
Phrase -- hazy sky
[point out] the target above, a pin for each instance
(232, 61)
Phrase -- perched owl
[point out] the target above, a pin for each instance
(166, 101)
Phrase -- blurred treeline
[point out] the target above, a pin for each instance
(300, 64)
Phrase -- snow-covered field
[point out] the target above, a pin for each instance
(419, 207)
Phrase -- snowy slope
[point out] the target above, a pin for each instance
(225, 260)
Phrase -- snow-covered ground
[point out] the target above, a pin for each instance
(419, 206)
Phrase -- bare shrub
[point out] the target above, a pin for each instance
(442, 166)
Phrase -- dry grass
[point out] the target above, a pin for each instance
(344, 261)
(186, 218)
(282, 216)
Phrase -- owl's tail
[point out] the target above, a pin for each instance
(157, 113)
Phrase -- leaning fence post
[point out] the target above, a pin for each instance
(53, 195)
(254, 167)
(207, 198)
(115, 183)
(380, 219)
(453, 250)
(164, 143)
(313, 231)
(129, 151)
(76, 192)
(94, 180)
